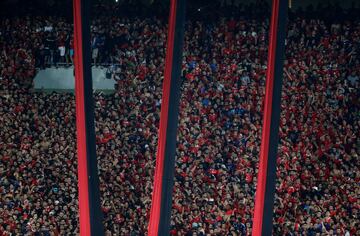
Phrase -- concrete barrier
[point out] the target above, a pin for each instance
(54, 79)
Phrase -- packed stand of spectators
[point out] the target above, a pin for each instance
(38, 189)
(16, 60)
(319, 177)
(219, 133)
(29, 182)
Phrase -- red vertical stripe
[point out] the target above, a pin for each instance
(160, 156)
(264, 149)
(84, 214)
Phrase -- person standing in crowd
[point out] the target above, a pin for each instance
(219, 131)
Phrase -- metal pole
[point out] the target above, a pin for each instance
(165, 159)
(88, 179)
(265, 190)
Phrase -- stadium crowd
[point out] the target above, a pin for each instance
(223, 78)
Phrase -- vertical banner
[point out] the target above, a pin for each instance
(90, 214)
(165, 158)
(265, 189)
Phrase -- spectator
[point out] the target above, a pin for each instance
(223, 85)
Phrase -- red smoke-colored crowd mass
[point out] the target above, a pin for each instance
(221, 109)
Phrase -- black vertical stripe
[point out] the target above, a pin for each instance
(96, 225)
(171, 130)
(275, 120)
